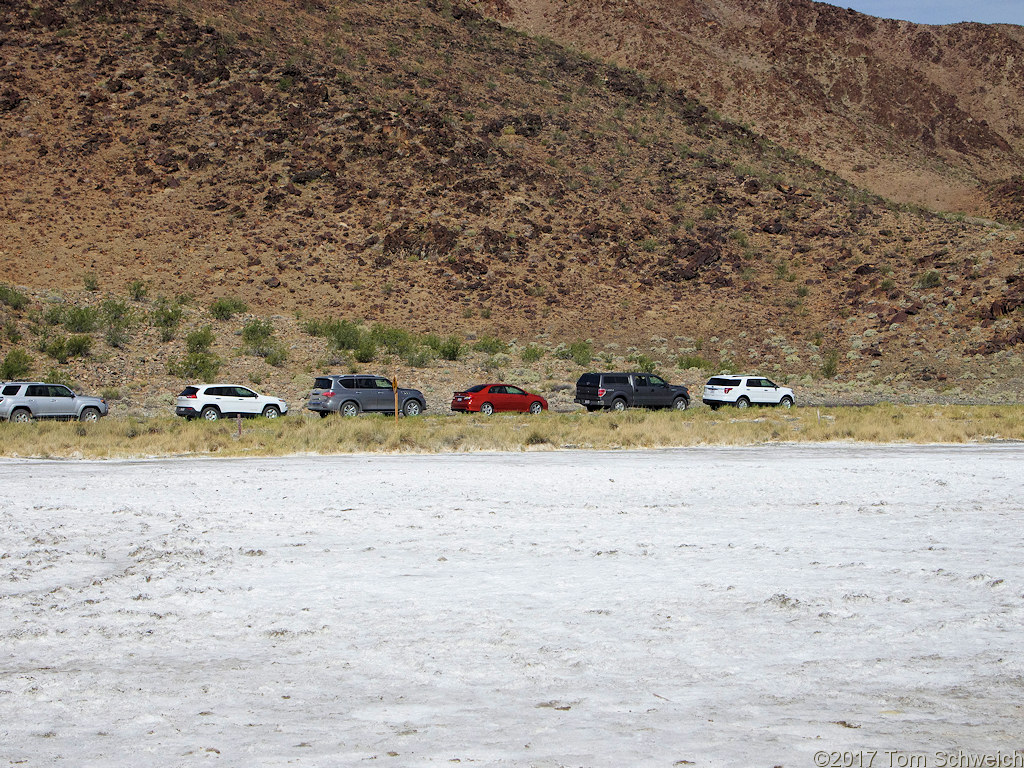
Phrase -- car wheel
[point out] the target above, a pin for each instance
(787, 402)
(349, 408)
(743, 403)
(89, 414)
(536, 407)
(618, 404)
(714, 407)
(412, 408)
(210, 413)
(271, 412)
(21, 416)
(486, 409)
(324, 414)
(680, 403)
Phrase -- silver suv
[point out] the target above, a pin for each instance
(348, 395)
(22, 401)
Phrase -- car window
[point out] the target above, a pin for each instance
(588, 380)
(640, 381)
(188, 391)
(608, 380)
(381, 383)
(718, 381)
(363, 383)
(56, 390)
(657, 381)
(477, 388)
(214, 391)
(499, 390)
(12, 389)
(37, 390)
(348, 383)
(322, 384)
(243, 392)
(767, 383)
(514, 391)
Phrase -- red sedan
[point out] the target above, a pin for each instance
(488, 398)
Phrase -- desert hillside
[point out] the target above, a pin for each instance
(420, 166)
(928, 115)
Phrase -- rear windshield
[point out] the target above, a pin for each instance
(322, 384)
(477, 388)
(718, 381)
(12, 389)
(588, 380)
(188, 392)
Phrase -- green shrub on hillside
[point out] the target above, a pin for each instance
(166, 316)
(200, 340)
(16, 365)
(491, 345)
(694, 361)
(226, 308)
(81, 319)
(451, 348)
(531, 354)
(195, 366)
(12, 298)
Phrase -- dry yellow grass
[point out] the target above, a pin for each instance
(167, 436)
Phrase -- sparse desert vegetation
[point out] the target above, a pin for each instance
(300, 433)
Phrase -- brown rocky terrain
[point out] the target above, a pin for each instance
(420, 165)
(929, 115)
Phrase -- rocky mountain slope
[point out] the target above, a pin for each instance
(420, 165)
(929, 115)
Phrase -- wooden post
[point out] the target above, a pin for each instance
(239, 419)
(394, 386)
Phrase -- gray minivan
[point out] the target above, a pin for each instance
(353, 393)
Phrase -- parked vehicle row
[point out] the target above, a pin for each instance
(352, 394)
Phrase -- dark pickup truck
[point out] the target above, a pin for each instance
(618, 391)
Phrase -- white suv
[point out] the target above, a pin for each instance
(212, 401)
(744, 391)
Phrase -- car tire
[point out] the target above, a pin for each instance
(743, 403)
(714, 407)
(487, 409)
(21, 416)
(536, 407)
(209, 413)
(349, 408)
(89, 414)
(680, 404)
(271, 412)
(618, 404)
(412, 407)
(786, 402)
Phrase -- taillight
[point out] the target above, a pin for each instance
(328, 393)
(601, 392)
(192, 396)
(726, 390)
